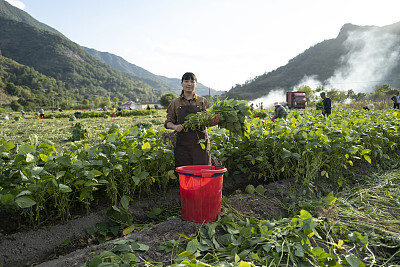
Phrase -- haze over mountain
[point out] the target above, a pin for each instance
(157, 81)
(359, 58)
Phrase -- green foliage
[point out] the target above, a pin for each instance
(300, 241)
(319, 105)
(57, 126)
(15, 106)
(99, 114)
(336, 95)
(56, 69)
(37, 178)
(262, 114)
(198, 121)
(166, 99)
(120, 221)
(308, 145)
(80, 132)
(143, 125)
(121, 255)
(382, 92)
(360, 96)
(232, 113)
(357, 238)
(38, 181)
(9, 11)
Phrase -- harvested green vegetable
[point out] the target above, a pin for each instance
(232, 116)
(198, 121)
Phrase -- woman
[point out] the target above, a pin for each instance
(187, 149)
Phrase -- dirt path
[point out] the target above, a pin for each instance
(32, 247)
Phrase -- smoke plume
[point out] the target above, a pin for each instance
(370, 59)
(372, 56)
(267, 101)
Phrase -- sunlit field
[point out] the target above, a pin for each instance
(29, 128)
(346, 164)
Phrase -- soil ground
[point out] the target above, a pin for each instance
(42, 247)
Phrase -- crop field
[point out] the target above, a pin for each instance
(340, 185)
(58, 129)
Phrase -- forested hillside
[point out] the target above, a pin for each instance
(57, 57)
(10, 12)
(28, 87)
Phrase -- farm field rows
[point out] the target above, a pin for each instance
(59, 130)
(331, 159)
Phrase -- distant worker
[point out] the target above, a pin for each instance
(280, 112)
(327, 102)
(369, 107)
(396, 101)
(148, 107)
(41, 113)
(119, 111)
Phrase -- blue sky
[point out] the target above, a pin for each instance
(224, 42)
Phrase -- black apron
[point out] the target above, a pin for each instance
(188, 150)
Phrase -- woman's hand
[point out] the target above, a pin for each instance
(178, 128)
(215, 120)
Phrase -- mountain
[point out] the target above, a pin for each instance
(157, 81)
(79, 75)
(11, 12)
(56, 56)
(25, 88)
(358, 56)
(84, 71)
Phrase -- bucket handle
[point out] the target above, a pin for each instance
(201, 176)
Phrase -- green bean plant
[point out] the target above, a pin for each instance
(308, 145)
(39, 182)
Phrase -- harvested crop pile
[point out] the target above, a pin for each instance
(232, 113)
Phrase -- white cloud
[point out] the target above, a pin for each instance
(17, 4)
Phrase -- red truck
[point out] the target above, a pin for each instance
(296, 99)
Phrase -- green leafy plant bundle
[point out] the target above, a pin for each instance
(232, 113)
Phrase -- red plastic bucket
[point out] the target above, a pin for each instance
(201, 192)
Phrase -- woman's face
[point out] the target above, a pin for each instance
(188, 85)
